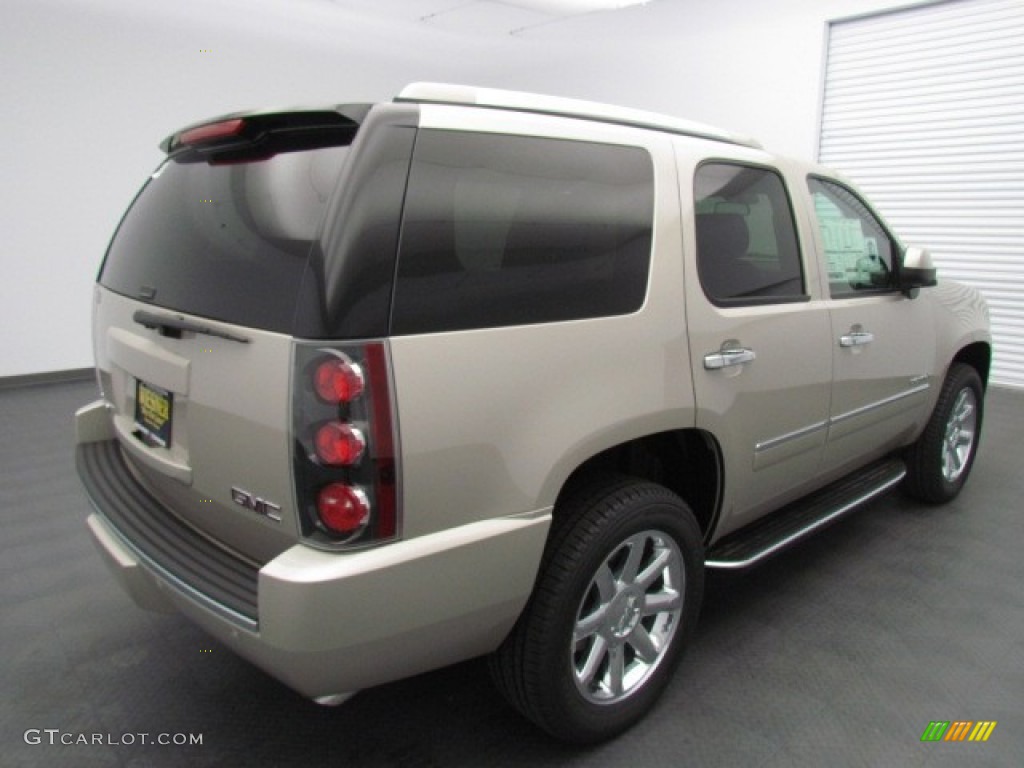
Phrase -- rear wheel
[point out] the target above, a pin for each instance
(615, 602)
(939, 462)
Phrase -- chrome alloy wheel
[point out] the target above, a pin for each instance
(628, 617)
(958, 439)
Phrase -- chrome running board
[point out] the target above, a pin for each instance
(765, 537)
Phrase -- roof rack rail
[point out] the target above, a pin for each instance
(442, 93)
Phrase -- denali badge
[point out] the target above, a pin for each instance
(256, 504)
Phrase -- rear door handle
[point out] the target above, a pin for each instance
(728, 357)
(856, 338)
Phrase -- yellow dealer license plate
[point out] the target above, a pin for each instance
(153, 407)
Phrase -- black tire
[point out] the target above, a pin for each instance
(616, 600)
(940, 461)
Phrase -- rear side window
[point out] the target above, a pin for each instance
(506, 230)
(229, 242)
(747, 251)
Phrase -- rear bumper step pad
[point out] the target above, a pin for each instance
(165, 543)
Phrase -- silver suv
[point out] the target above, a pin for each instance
(386, 387)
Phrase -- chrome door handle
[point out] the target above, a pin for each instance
(728, 357)
(856, 339)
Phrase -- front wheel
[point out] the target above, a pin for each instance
(939, 462)
(615, 602)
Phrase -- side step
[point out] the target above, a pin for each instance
(778, 530)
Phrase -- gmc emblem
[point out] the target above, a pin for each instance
(256, 504)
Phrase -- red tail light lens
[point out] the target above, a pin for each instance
(338, 380)
(339, 444)
(343, 509)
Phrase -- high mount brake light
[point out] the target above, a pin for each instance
(212, 132)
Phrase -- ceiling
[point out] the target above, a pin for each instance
(484, 17)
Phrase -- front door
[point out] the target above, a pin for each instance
(883, 344)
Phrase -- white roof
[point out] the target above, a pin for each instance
(441, 93)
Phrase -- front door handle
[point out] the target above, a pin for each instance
(727, 357)
(856, 338)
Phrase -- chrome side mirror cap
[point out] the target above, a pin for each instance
(917, 271)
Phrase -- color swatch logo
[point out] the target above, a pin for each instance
(958, 730)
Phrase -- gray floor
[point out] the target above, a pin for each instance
(838, 653)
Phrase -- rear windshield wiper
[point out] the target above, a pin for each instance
(173, 326)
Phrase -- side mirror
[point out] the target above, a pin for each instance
(916, 271)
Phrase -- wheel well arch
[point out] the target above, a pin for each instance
(686, 461)
(977, 355)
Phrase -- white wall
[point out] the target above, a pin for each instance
(91, 86)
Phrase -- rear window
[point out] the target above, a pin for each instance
(229, 242)
(506, 230)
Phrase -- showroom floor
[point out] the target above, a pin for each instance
(839, 652)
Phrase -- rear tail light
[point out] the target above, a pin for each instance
(338, 380)
(344, 457)
(339, 444)
(343, 509)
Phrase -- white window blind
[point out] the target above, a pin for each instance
(924, 109)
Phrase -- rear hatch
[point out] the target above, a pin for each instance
(195, 313)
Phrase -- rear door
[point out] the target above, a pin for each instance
(760, 346)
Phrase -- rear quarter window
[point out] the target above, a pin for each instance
(507, 230)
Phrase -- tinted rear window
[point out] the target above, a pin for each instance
(506, 230)
(229, 242)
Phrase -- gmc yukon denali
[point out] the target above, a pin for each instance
(388, 386)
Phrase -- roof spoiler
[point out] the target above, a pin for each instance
(251, 136)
